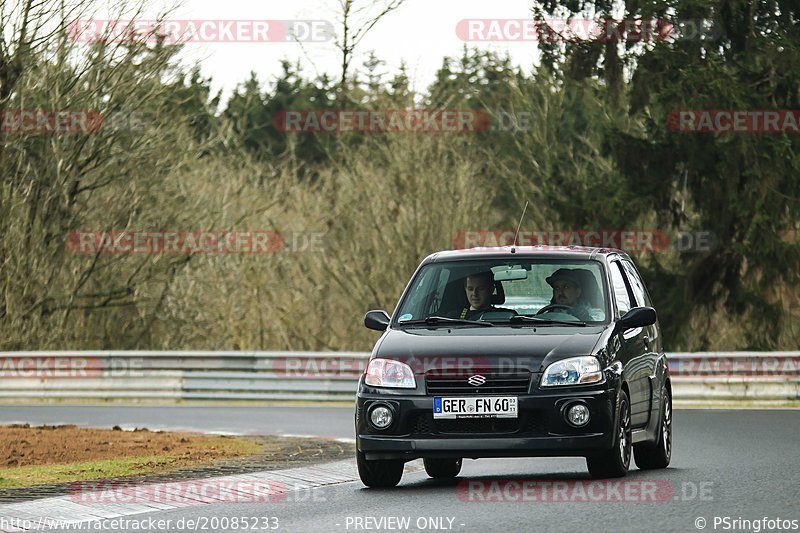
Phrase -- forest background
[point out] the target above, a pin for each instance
(596, 151)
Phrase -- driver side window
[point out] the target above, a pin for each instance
(637, 284)
(621, 294)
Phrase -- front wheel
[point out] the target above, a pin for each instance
(616, 461)
(658, 455)
(379, 473)
(442, 468)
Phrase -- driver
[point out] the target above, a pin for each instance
(567, 291)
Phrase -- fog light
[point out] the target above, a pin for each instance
(578, 415)
(381, 417)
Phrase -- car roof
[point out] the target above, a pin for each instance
(540, 251)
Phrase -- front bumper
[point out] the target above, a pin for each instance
(539, 431)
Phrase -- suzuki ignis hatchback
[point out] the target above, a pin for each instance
(526, 352)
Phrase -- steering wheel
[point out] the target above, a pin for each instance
(554, 307)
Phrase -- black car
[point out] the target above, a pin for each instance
(516, 352)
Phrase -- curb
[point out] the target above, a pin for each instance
(274, 487)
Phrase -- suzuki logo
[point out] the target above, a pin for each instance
(477, 380)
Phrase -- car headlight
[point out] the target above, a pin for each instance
(390, 373)
(573, 371)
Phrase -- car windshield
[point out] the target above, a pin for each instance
(547, 291)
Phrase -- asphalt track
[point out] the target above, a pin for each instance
(742, 465)
(324, 421)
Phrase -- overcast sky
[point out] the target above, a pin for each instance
(421, 32)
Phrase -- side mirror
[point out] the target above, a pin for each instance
(377, 320)
(637, 317)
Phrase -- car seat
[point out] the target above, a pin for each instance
(590, 292)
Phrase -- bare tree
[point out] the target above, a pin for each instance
(111, 177)
(357, 18)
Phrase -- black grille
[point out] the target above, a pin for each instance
(533, 424)
(477, 425)
(516, 383)
(423, 425)
(537, 424)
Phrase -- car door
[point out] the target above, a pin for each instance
(650, 334)
(632, 346)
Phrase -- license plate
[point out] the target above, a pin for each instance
(475, 407)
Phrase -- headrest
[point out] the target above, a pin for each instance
(499, 295)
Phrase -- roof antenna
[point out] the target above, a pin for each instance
(513, 249)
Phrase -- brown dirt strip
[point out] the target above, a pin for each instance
(196, 456)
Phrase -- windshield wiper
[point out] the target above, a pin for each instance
(538, 320)
(434, 320)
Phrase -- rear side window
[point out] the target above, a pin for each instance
(621, 293)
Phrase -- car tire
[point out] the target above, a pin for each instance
(381, 473)
(658, 455)
(616, 461)
(442, 468)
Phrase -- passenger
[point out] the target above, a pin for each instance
(479, 288)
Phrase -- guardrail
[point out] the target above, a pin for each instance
(137, 376)
(735, 376)
(131, 375)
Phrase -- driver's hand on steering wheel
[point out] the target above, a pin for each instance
(552, 307)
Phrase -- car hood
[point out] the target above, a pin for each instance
(497, 348)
